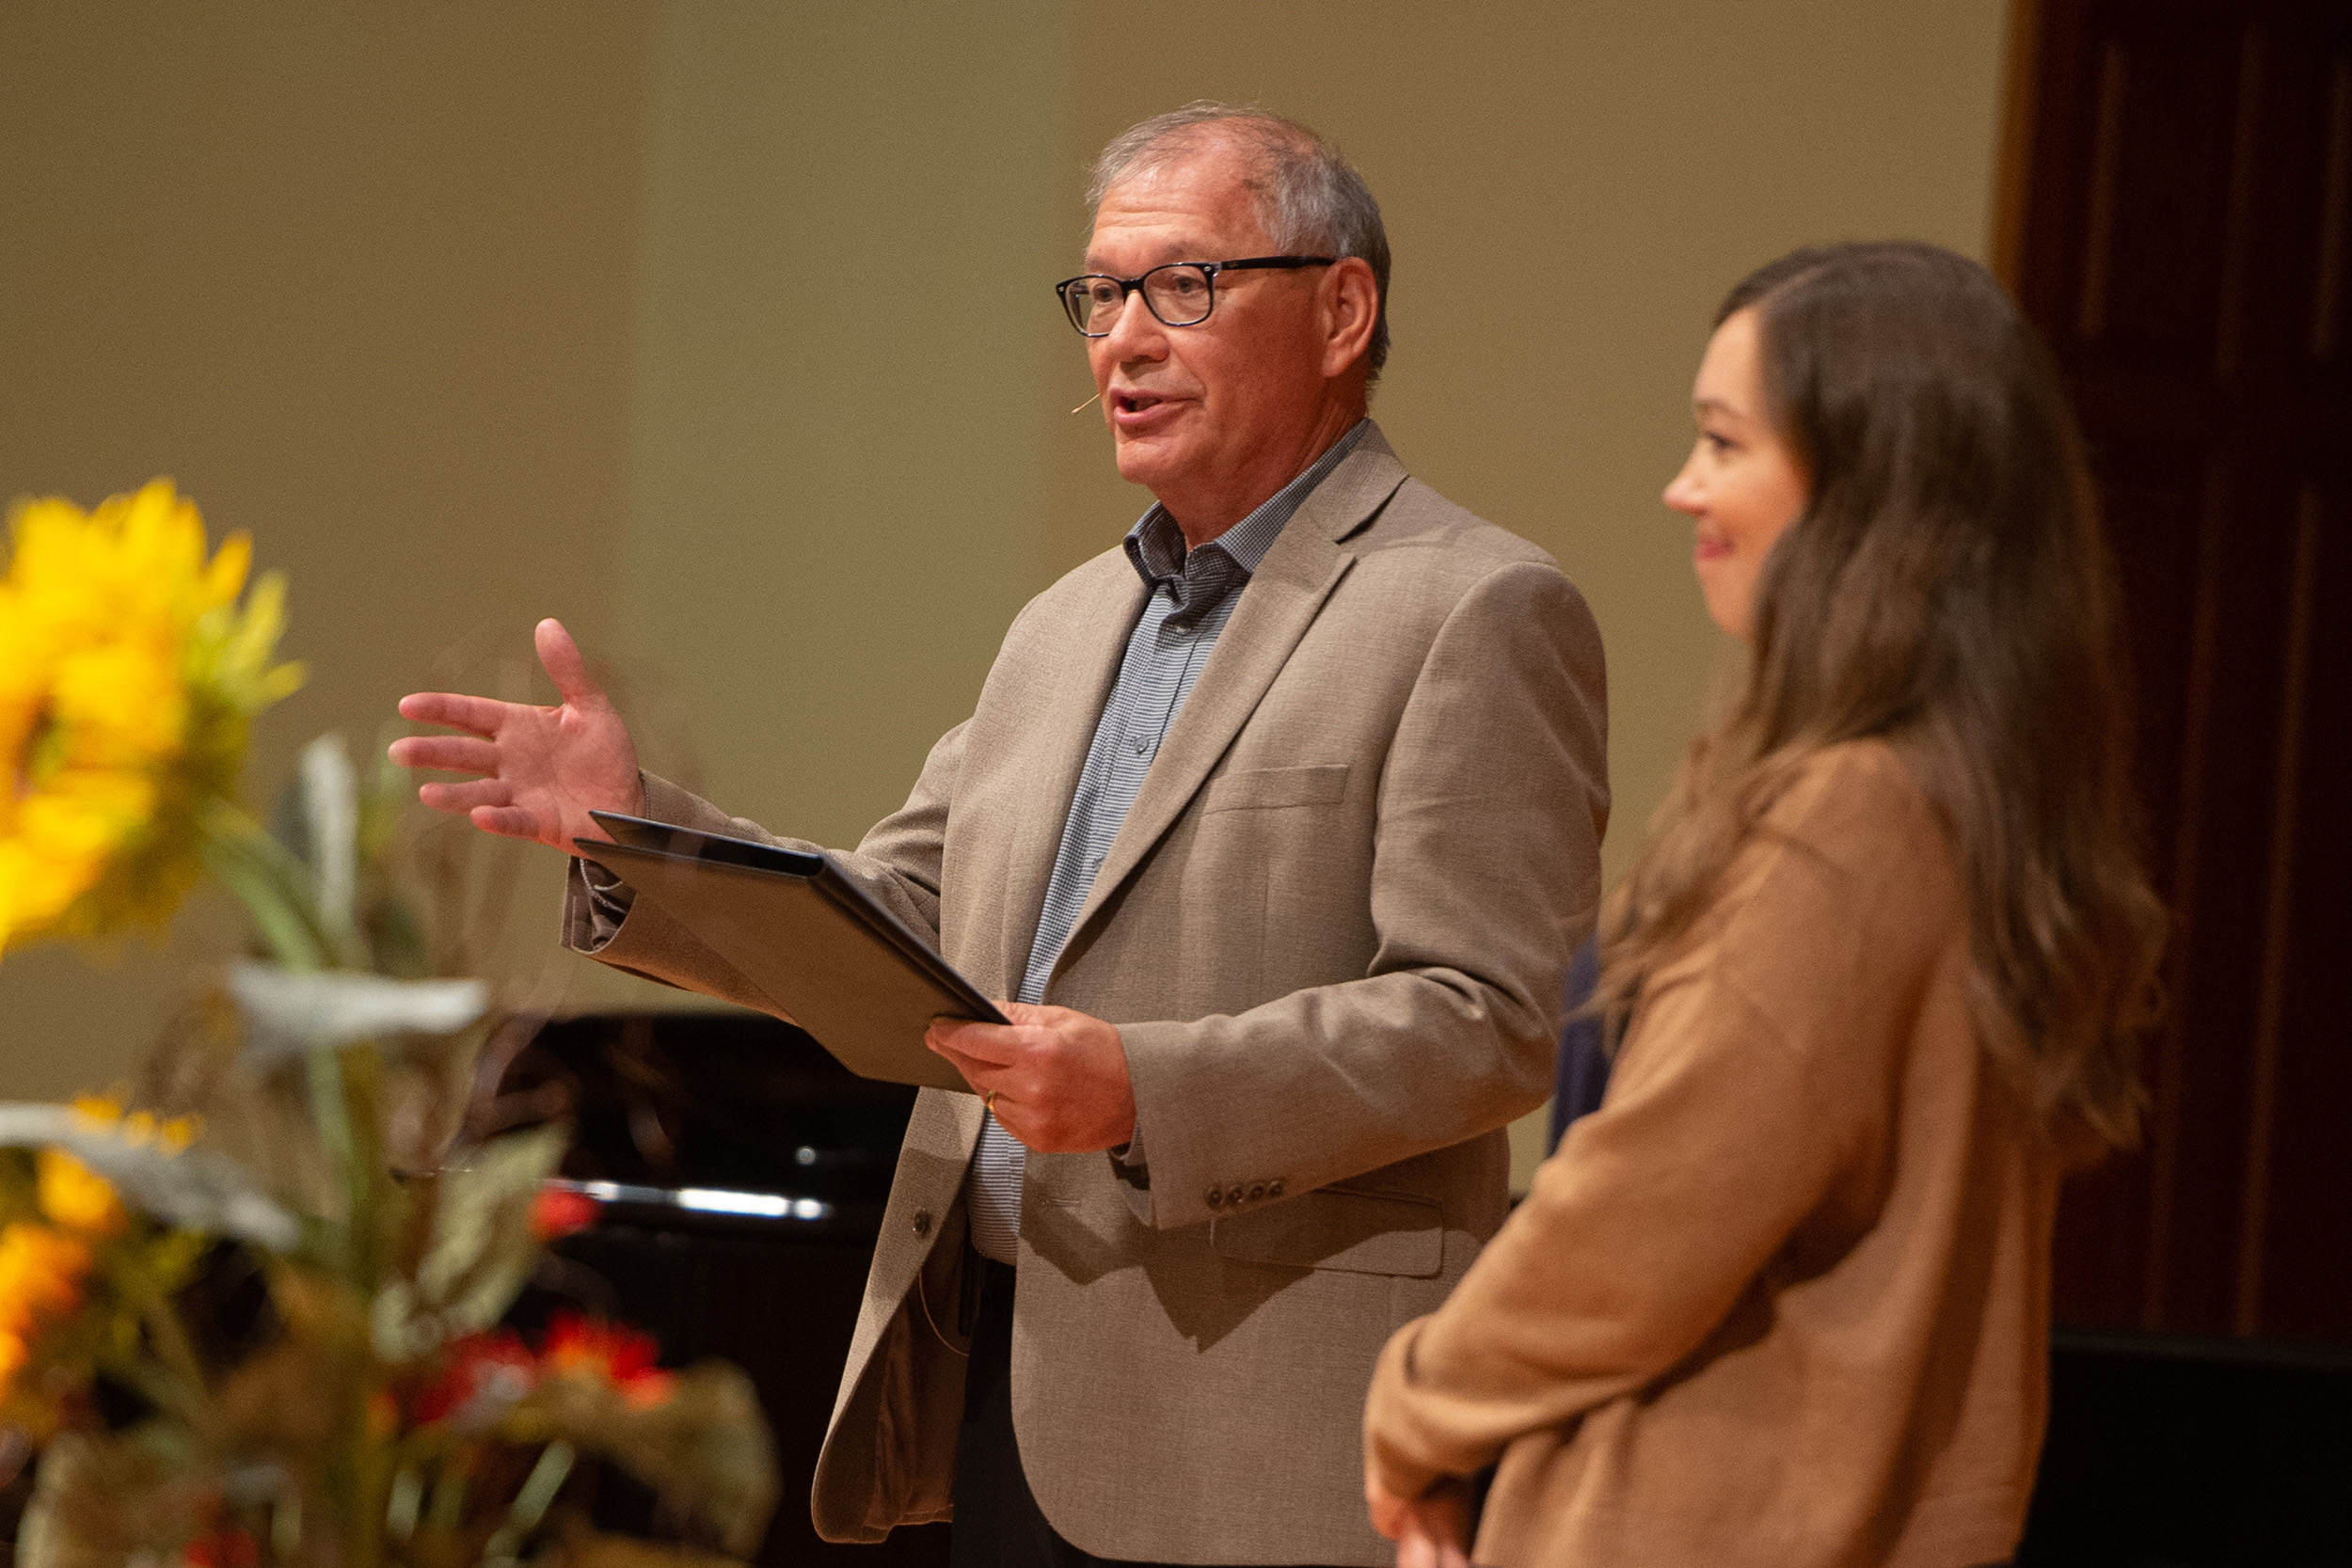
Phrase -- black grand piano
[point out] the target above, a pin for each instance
(741, 1174)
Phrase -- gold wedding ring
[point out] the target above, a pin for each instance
(989, 1104)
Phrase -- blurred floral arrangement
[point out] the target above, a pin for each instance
(251, 1313)
(128, 679)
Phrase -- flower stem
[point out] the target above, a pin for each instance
(272, 883)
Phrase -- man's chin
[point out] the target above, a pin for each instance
(1148, 460)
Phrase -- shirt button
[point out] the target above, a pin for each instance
(1216, 1198)
(1139, 745)
(921, 1225)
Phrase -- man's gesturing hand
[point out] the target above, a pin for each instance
(539, 770)
(1060, 1077)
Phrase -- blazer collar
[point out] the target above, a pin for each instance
(1279, 603)
(1357, 490)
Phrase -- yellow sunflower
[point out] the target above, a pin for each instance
(129, 675)
(75, 1198)
(42, 1277)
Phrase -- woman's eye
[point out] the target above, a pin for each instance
(1719, 445)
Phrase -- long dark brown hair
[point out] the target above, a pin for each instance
(1948, 590)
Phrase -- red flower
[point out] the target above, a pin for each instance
(624, 1356)
(224, 1546)
(481, 1377)
(560, 1212)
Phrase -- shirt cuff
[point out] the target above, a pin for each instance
(1128, 1163)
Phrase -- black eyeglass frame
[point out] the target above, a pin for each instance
(1129, 285)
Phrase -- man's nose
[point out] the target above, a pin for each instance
(1135, 332)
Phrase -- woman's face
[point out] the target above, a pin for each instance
(1741, 484)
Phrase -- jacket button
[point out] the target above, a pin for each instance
(1232, 1195)
(922, 1222)
(1216, 1198)
(1257, 1192)
(1274, 1188)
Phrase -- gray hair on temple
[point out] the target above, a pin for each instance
(1310, 198)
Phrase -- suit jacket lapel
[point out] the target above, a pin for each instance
(1076, 682)
(1277, 607)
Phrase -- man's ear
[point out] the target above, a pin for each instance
(1351, 307)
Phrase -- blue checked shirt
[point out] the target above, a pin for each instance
(1192, 596)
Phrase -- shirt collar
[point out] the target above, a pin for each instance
(1155, 546)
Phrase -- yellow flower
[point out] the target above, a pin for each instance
(41, 1278)
(128, 677)
(77, 1198)
(98, 1110)
(103, 1112)
(13, 1356)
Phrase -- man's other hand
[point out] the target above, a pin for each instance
(1431, 1530)
(539, 772)
(1060, 1077)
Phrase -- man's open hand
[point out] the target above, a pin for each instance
(539, 770)
(1060, 1077)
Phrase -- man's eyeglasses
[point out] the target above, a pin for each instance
(1181, 293)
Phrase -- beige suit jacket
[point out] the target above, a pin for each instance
(1332, 932)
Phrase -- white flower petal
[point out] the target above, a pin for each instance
(195, 1190)
(286, 1013)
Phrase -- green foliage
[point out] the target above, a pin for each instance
(705, 1447)
(339, 1427)
(478, 1246)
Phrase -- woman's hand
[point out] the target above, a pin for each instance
(1431, 1530)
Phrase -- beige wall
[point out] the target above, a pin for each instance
(724, 329)
(359, 276)
(840, 468)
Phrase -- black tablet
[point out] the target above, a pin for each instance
(820, 951)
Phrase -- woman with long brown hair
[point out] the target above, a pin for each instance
(1783, 1298)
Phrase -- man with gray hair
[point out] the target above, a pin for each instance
(1277, 824)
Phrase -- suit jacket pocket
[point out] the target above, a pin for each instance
(1266, 789)
(1339, 1227)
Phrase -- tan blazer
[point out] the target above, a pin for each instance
(1332, 930)
(1783, 1301)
